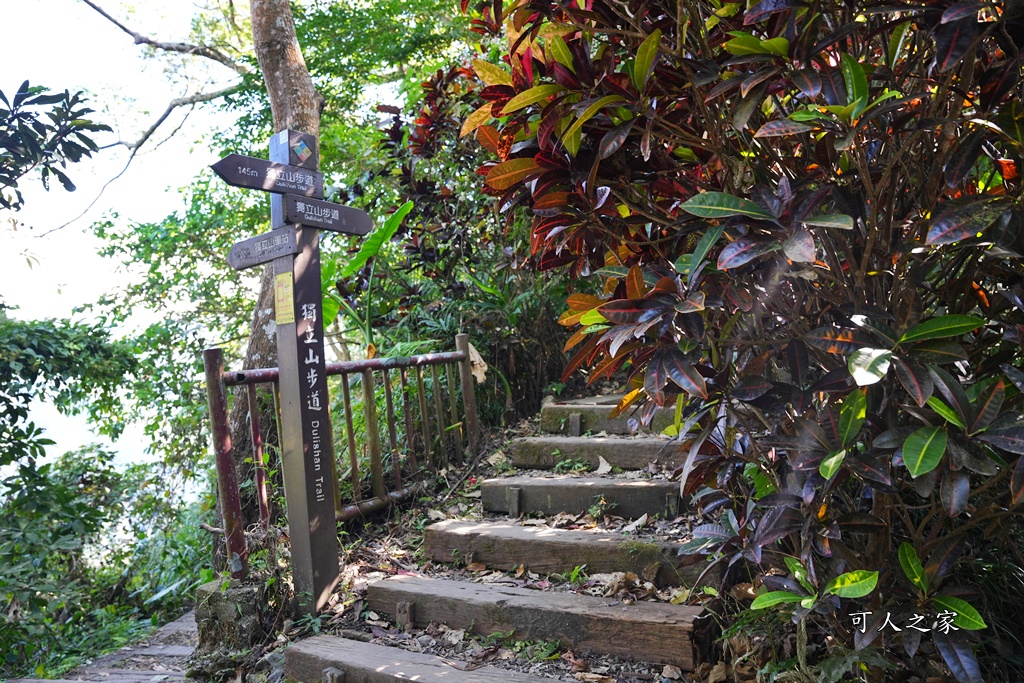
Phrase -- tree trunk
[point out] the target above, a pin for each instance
(295, 104)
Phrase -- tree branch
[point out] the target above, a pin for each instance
(184, 48)
(171, 106)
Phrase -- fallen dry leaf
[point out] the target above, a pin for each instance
(520, 570)
(719, 674)
(638, 524)
(476, 567)
(602, 466)
(593, 678)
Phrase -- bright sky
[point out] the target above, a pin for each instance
(79, 50)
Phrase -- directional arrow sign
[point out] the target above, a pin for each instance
(257, 174)
(263, 248)
(317, 213)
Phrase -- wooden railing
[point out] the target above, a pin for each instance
(423, 415)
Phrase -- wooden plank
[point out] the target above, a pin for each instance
(629, 498)
(306, 660)
(545, 550)
(595, 416)
(651, 631)
(544, 452)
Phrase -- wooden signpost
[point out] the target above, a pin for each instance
(293, 246)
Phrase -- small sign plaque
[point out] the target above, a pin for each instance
(284, 304)
(262, 248)
(258, 174)
(317, 213)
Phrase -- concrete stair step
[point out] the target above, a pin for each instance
(629, 498)
(650, 631)
(544, 452)
(504, 546)
(330, 659)
(595, 416)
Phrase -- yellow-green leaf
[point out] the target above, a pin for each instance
(911, 564)
(508, 173)
(491, 74)
(774, 598)
(853, 584)
(531, 96)
(723, 205)
(923, 450)
(590, 112)
(966, 616)
(560, 51)
(476, 119)
(941, 327)
(645, 56)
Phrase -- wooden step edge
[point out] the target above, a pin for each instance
(546, 452)
(331, 659)
(629, 498)
(504, 546)
(653, 632)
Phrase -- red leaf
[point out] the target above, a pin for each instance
(613, 139)
(988, 407)
(808, 81)
(1017, 483)
(915, 379)
(682, 372)
(632, 311)
(508, 173)
(954, 491)
(952, 40)
(488, 138)
(799, 246)
(751, 388)
(837, 340)
(963, 221)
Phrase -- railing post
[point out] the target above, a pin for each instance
(257, 457)
(468, 395)
(227, 476)
(373, 436)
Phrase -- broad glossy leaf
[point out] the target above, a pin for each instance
(855, 79)
(954, 492)
(915, 379)
(852, 415)
(912, 566)
(782, 127)
(963, 158)
(742, 251)
(799, 247)
(942, 327)
(1014, 375)
(1017, 482)
(1010, 439)
(686, 377)
(590, 112)
(939, 351)
(958, 654)
(723, 205)
(491, 74)
(987, 407)
(963, 10)
(967, 617)
(476, 119)
(508, 173)
(535, 94)
(923, 450)
(837, 340)
(630, 311)
(764, 9)
(773, 598)
(953, 40)
(954, 393)
(613, 139)
(831, 464)
(376, 240)
(869, 366)
(700, 252)
(808, 81)
(947, 413)
(560, 52)
(854, 584)
(751, 388)
(962, 221)
(645, 56)
(839, 221)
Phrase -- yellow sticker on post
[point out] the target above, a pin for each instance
(284, 301)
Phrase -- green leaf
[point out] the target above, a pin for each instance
(856, 81)
(376, 240)
(869, 366)
(645, 56)
(966, 618)
(722, 205)
(923, 450)
(830, 465)
(912, 567)
(853, 584)
(839, 220)
(535, 94)
(851, 416)
(778, 46)
(590, 112)
(942, 327)
(560, 51)
(744, 44)
(775, 598)
(940, 407)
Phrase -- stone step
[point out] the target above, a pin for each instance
(504, 546)
(330, 659)
(629, 498)
(595, 416)
(655, 632)
(544, 452)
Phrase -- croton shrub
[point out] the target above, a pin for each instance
(806, 217)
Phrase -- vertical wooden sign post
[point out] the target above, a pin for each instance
(297, 211)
